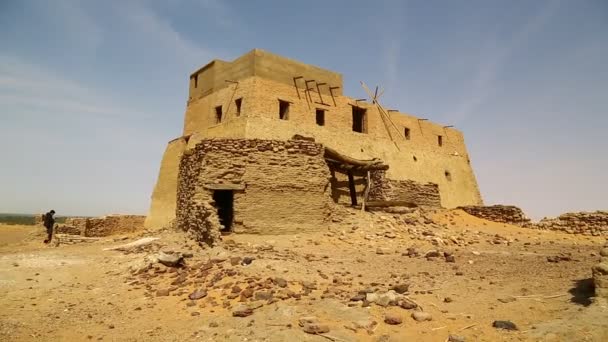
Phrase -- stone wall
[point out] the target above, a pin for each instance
(499, 213)
(280, 186)
(101, 226)
(385, 189)
(586, 223)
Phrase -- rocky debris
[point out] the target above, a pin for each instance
(401, 288)
(242, 311)
(498, 213)
(383, 299)
(421, 316)
(392, 319)
(407, 304)
(506, 325)
(311, 325)
(586, 223)
(170, 259)
(246, 261)
(198, 294)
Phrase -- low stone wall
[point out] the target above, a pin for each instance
(499, 213)
(586, 223)
(101, 226)
(114, 224)
(422, 194)
(280, 187)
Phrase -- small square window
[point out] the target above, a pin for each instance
(283, 110)
(238, 102)
(218, 114)
(406, 133)
(440, 140)
(320, 117)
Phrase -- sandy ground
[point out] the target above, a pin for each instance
(81, 292)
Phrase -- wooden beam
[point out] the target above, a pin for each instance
(351, 187)
(215, 186)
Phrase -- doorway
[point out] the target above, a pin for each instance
(224, 202)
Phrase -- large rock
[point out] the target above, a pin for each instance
(600, 279)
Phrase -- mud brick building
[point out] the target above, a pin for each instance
(271, 144)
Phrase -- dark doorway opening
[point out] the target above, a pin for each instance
(359, 120)
(224, 202)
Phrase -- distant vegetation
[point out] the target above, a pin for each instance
(25, 219)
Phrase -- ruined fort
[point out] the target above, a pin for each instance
(271, 145)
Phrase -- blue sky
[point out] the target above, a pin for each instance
(91, 91)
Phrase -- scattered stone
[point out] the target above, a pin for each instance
(448, 300)
(392, 319)
(450, 258)
(407, 304)
(315, 328)
(198, 294)
(263, 295)
(235, 261)
(506, 325)
(280, 282)
(195, 313)
(170, 259)
(242, 311)
(432, 254)
(421, 316)
(246, 261)
(401, 288)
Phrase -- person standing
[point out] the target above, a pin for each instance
(49, 223)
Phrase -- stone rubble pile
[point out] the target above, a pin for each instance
(600, 274)
(498, 213)
(586, 223)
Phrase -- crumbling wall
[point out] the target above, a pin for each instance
(499, 213)
(586, 223)
(421, 194)
(283, 186)
(113, 224)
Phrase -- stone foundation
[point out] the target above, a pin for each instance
(421, 194)
(586, 223)
(278, 187)
(499, 213)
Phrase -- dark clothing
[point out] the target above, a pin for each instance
(49, 223)
(49, 220)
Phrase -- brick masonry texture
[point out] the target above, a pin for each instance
(101, 226)
(384, 189)
(586, 223)
(499, 213)
(285, 186)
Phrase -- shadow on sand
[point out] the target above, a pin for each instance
(582, 291)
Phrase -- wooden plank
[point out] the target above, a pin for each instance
(351, 187)
(215, 186)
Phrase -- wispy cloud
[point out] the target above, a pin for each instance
(143, 20)
(492, 63)
(28, 85)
